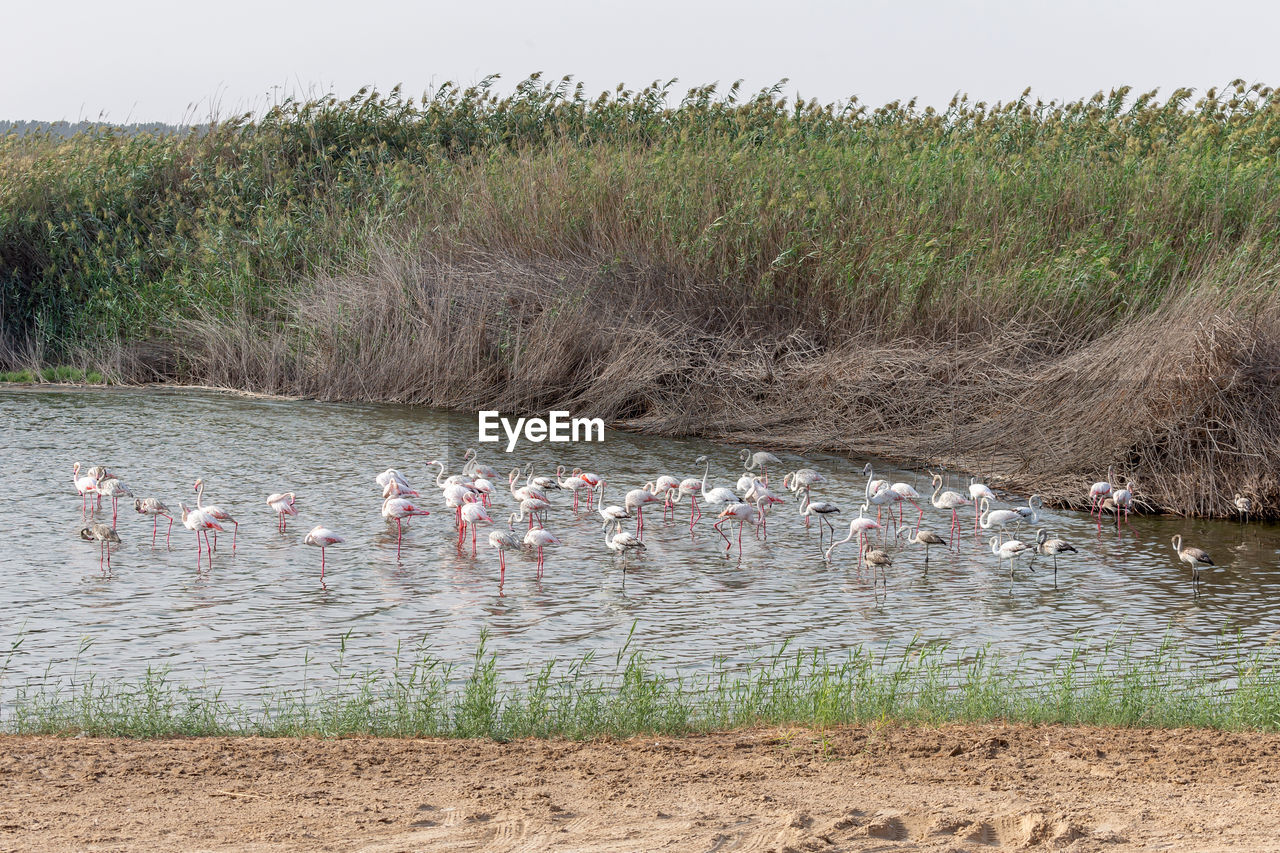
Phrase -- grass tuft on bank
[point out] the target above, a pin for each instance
(927, 684)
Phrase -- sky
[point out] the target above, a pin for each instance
(143, 60)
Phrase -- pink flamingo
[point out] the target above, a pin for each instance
(114, 489)
(200, 522)
(322, 537)
(574, 483)
(387, 477)
(216, 512)
(742, 514)
(282, 504)
(155, 509)
(1098, 491)
(540, 538)
(400, 509)
(857, 527)
(664, 486)
(636, 500)
(689, 486)
(472, 515)
(85, 486)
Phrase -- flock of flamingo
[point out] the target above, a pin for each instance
(471, 493)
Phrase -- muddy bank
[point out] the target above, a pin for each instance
(858, 788)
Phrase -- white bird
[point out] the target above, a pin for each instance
(451, 480)
(216, 512)
(85, 486)
(978, 491)
(1242, 504)
(322, 537)
(540, 538)
(622, 542)
(925, 538)
(947, 500)
(473, 514)
(741, 513)
(635, 501)
(400, 509)
(474, 468)
(689, 486)
(199, 522)
(1007, 551)
(1100, 490)
(522, 492)
(283, 505)
(1124, 502)
(614, 515)
(802, 478)
(760, 459)
(857, 527)
(114, 489)
(874, 485)
(997, 517)
(663, 486)
(392, 475)
(1031, 512)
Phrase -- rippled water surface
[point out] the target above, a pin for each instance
(248, 622)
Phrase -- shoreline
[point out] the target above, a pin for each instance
(866, 787)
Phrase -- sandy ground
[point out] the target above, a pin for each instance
(857, 788)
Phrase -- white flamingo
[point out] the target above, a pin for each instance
(1100, 490)
(859, 527)
(400, 509)
(85, 486)
(997, 517)
(540, 538)
(761, 459)
(978, 491)
(473, 514)
(622, 542)
(947, 500)
(503, 541)
(1007, 551)
(200, 523)
(322, 537)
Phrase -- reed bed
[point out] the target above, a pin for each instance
(1028, 290)
(419, 694)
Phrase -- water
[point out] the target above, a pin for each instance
(247, 624)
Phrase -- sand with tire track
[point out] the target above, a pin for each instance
(852, 788)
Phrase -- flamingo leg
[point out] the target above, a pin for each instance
(155, 520)
(321, 565)
(235, 534)
(399, 536)
(170, 530)
(473, 540)
(502, 564)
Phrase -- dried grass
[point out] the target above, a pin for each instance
(1182, 399)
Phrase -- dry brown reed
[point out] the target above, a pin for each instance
(1182, 399)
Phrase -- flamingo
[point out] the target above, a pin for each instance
(540, 538)
(535, 509)
(85, 486)
(977, 492)
(874, 486)
(216, 512)
(595, 482)
(455, 495)
(882, 498)
(947, 500)
(545, 483)
(522, 492)
(199, 521)
(663, 486)
(636, 500)
(503, 541)
(718, 495)
(155, 509)
(1124, 501)
(1052, 547)
(1007, 551)
(857, 527)
(573, 483)
(878, 561)
(1031, 512)
(802, 478)
(322, 537)
(925, 538)
(473, 514)
(105, 536)
(485, 488)
(760, 459)
(821, 509)
(1193, 557)
(400, 509)
(742, 513)
(622, 542)
(451, 480)
(907, 493)
(475, 468)
(614, 515)
(689, 486)
(1100, 490)
(1243, 505)
(402, 485)
(765, 499)
(282, 504)
(997, 517)
(114, 489)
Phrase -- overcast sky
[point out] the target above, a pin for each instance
(144, 60)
